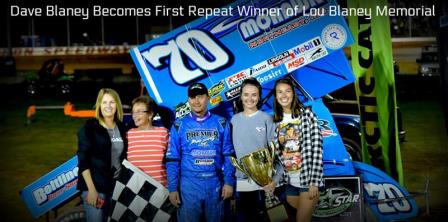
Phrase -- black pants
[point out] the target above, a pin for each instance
(250, 206)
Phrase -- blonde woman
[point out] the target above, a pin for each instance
(102, 146)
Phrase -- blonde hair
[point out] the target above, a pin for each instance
(99, 98)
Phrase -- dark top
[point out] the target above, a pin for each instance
(94, 153)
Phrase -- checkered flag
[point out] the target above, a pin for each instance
(138, 197)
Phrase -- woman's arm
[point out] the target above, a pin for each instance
(92, 194)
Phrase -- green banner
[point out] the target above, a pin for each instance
(372, 64)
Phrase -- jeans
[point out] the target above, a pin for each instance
(94, 214)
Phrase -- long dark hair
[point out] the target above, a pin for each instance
(248, 81)
(296, 106)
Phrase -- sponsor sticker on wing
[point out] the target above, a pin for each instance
(236, 80)
(295, 64)
(216, 89)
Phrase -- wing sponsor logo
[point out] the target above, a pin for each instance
(182, 110)
(236, 79)
(334, 36)
(281, 58)
(233, 93)
(295, 64)
(269, 76)
(257, 69)
(216, 100)
(217, 88)
(307, 46)
(316, 54)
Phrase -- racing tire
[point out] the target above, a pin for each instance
(76, 214)
(353, 148)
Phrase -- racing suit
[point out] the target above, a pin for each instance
(198, 163)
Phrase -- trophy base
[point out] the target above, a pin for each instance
(277, 213)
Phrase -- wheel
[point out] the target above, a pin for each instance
(76, 214)
(353, 148)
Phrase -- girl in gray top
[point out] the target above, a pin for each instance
(252, 130)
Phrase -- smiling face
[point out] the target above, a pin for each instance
(108, 106)
(250, 97)
(199, 104)
(284, 95)
(141, 115)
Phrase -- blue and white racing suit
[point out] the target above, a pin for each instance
(198, 164)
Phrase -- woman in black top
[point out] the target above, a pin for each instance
(102, 146)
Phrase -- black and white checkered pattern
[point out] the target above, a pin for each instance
(138, 197)
(311, 142)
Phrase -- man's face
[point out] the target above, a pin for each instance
(199, 104)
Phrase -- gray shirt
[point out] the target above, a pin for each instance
(252, 133)
(117, 149)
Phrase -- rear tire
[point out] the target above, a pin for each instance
(353, 148)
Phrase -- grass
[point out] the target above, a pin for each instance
(425, 154)
(29, 151)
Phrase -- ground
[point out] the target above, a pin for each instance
(29, 151)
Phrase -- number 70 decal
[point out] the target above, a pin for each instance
(195, 46)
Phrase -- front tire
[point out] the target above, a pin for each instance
(76, 214)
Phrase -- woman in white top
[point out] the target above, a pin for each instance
(299, 146)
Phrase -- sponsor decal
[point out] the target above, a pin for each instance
(280, 58)
(257, 69)
(204, 162)
(295, 64)
(201, 134)
(182, 110)
(335, 201)
(334, 36)
(325, 128)
(56, 186)
(252, 27)
(216, 100)
(302, 49)
(216, 89)
(316, 54)
(387, 191)
(233, 93)
(269, 76)
(236, 79)
(203, 153)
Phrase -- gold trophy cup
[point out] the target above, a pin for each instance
(259, 167)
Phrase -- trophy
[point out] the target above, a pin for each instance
(259, 167)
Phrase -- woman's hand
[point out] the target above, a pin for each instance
(92, 197)
(313, 192)
(270, 188)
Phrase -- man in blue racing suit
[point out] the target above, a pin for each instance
(197, 161)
